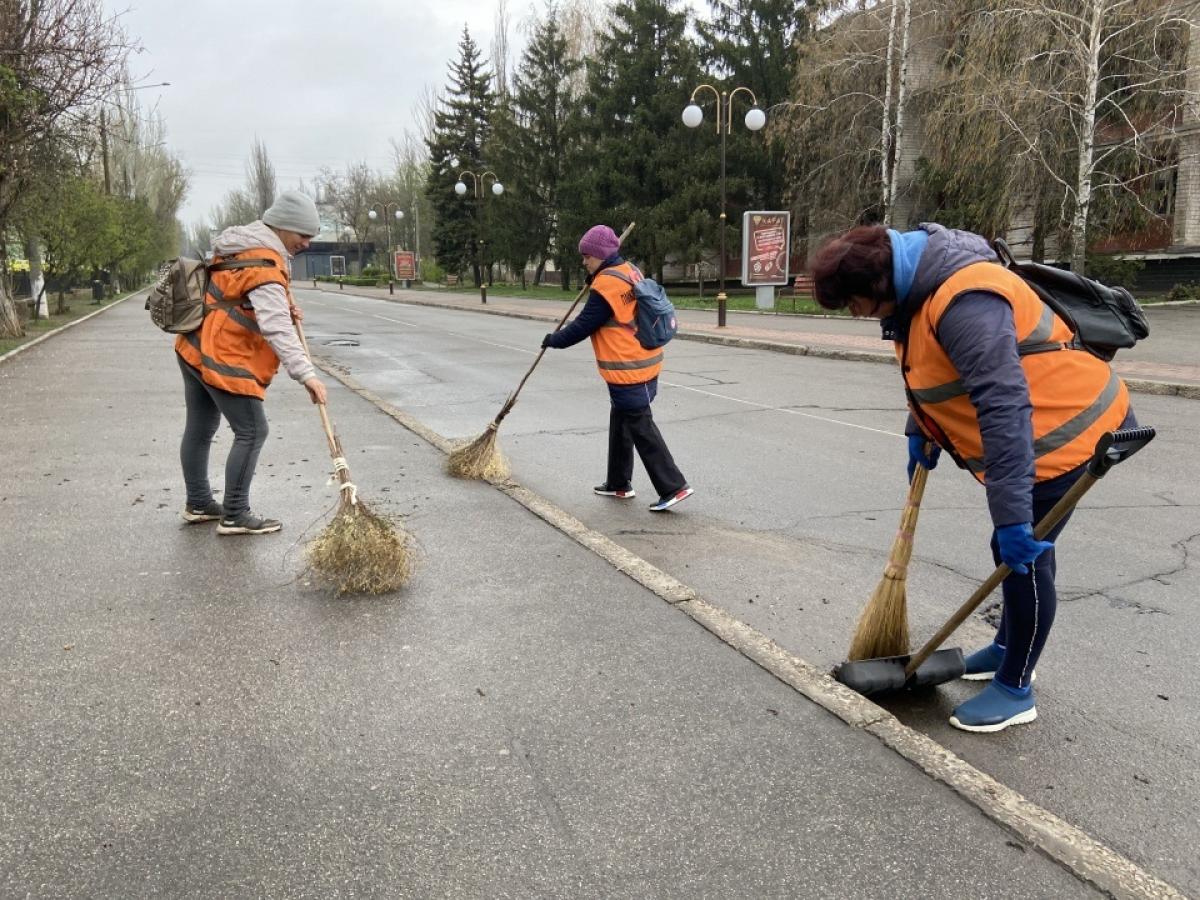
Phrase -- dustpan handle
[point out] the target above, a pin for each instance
(1112, 447)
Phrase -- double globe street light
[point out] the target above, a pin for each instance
(373, 214)
(479, 183)
(755, 120)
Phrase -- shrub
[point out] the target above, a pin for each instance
(431, 271)
(1113, 271)
(1183, 293)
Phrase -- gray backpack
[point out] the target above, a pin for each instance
(176, 302)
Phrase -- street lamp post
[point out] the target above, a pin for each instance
(755, 120)
(373, 214)
(479, 182)
(416, 208)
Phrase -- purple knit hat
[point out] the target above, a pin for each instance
(600, 241)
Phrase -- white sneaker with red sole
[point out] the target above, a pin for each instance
(666, 501)
(625, 493)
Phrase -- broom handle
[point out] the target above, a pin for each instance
(1052, 518)
(902, 547)
(512, 398)
(335, 446)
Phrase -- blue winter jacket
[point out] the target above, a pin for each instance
(979, 335)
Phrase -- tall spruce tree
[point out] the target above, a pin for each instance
(533, 135)
(461, 129)
(636, 161)
(751, 43)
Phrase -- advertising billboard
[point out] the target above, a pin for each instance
(766, 246)
(406, 265)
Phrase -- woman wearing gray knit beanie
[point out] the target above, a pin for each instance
(228, 362)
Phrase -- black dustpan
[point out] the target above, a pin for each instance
(930, 666)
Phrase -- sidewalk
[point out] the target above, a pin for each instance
(1165, 363)
(184, 715)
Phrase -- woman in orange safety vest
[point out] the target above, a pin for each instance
(230, 360)
(992, 379)
(629, 370)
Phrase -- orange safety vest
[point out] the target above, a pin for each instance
(228, 349)
(1076, 396)
(619, 356)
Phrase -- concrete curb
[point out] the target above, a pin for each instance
(1075, 850)
(1136, 385)
(61, 328)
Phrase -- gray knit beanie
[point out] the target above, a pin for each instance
(294, 211)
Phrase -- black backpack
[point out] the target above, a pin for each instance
(1104, 319)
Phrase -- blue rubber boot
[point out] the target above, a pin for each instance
(995, 708)
(982, 664)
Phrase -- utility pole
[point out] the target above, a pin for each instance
(104, 152)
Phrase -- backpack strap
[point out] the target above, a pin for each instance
(240, 264)
(622, 276)
(1004, 253)
(230, 265)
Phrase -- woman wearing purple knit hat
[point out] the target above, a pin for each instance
(629, 369)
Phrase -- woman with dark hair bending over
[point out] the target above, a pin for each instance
(991, 379)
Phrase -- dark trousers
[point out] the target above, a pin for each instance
(1030, 601)
(245, 415)
(629, 428)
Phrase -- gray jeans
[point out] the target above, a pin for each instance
(245, 415)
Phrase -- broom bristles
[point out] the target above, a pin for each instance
(360, 552)
(883, 626)
(479, 459)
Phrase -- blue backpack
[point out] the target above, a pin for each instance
(655, 316)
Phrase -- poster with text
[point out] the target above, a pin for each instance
(406, 265)
(766, 246)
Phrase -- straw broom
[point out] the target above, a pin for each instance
(358, 552)
(883, 626)
(481, 458)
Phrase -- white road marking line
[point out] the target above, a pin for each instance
(763, 406)
(780, 409)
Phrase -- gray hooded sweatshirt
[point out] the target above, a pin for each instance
(270, 301)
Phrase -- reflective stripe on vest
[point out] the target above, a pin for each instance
(229, 349)
(619, 356)
(1074, 399)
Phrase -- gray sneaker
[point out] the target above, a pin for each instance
(248, 523)
(210, 512)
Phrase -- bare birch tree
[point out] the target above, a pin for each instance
(1097, 99)
(897, 129)
(833, 126)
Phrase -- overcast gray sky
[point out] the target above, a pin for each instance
(319, 83)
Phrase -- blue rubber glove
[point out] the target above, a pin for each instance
(1018, 547)
(916, 454)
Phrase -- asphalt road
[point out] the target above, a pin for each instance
(798, 465)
